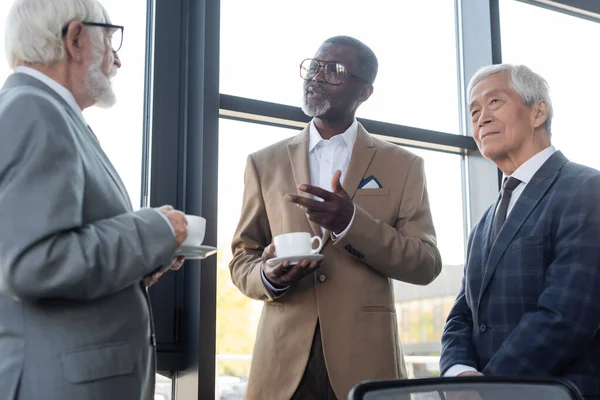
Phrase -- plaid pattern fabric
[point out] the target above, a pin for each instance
(530, 304)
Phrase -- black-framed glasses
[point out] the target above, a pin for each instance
(115, 33)
(334, 73)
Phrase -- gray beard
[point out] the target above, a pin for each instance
(99, 85)
(315, 111)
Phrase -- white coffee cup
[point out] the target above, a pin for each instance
(296, 244)
(196, 227)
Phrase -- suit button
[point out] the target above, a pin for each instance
(322, 278)
(482, 328)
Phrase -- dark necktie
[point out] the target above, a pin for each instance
(507, 188)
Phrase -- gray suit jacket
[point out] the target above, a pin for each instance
(75, 321)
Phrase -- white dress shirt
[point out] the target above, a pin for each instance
(324, 158)
(327, 156)
(67, 96)
(524, 173)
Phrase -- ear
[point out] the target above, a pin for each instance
(74, 41)
(365, 93)
(540, 113)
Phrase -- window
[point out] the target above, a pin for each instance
(415, 43)
(569, 59)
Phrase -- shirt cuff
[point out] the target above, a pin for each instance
(270, 287)
(166, 219)
(336, 236)
(458, 369)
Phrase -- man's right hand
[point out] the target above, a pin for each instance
(283, 274)
(177, 220)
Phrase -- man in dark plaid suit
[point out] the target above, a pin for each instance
(529, 304)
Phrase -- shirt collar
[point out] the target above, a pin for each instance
(528, 169)
(62, 91)
(349, 135)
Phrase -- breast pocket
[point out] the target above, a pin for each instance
(376, 202)
(525, 265)
(373, 192)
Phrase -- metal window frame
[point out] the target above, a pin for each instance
(183, 110)
(184, 151)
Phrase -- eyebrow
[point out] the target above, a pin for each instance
(489, 93)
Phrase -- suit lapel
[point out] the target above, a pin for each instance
(91, 137)
(534, 192)
(298, 153)
(362, 155)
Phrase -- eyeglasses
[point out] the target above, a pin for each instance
(115, 33)
(333, 72)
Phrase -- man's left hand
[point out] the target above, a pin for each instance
(334, 212)
(176, 263)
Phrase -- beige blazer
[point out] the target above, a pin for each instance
(392, 237)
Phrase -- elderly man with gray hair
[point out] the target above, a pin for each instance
(529, 304)
(75, 320)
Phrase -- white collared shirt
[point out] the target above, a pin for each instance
(52, 84)
(327, 156)
(524, 173)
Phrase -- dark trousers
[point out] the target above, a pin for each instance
(315, 381)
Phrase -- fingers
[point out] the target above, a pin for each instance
(166, 209)
(177, 263)
(316, 191)
(285, 273)
(179, 224)
(336, 186)
(308, 203)
(268, 252)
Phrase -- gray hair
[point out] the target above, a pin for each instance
(367, 61)
(34, 28)
(530, 86)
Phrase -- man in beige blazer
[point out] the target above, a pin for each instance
(329, 325)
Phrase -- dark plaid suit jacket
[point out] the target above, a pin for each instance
(529, 304)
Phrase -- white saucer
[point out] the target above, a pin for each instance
(295, 259)
(196, 252)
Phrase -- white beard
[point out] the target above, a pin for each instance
(315, 111)
(98, 84)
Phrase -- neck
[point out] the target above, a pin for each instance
(512, 161)
(330, 128)
(61, 73)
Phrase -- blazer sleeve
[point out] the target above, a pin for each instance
(406, 251)
(568, 311)
(457, 345)
(46, 251)
(252, 236)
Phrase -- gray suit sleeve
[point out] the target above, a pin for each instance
(46, 250)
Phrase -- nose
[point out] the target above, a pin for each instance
(485, 118)
(320, 75)
(117, 60)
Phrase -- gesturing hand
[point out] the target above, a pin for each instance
(334, 212)
(283, 274)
